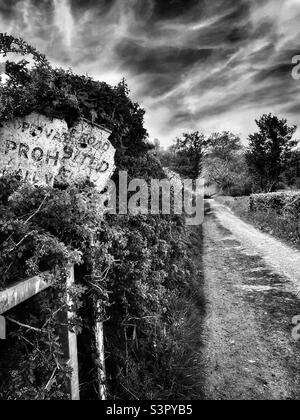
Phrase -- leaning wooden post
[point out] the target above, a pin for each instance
(72, 344)
(18, 293)
(25, 290)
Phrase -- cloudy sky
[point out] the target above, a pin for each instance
(192, 64)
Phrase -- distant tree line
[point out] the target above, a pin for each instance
(270, 162)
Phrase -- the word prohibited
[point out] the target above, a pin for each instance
(41, 150)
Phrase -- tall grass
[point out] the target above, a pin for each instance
(170, 368)
(284, 224)
(173, 372)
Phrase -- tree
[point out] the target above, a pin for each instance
(224, 164)
(223, 145)
(188, 154)
(269, 151)
(229, 176)
(291, 176)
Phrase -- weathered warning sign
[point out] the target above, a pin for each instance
(88, 154)
(42, 150)
(33, 147)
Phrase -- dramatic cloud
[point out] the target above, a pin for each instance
(193, 64)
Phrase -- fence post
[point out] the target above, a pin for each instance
(99, 339)
(72, 344)
(68, 339)
(99, 332)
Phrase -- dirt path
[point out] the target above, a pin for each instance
(251, 284)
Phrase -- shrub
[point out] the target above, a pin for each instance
(134, 268)
(281, 202)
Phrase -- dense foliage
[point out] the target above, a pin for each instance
(281, 202)
(291, 175)
(218, 158)
(63, 94)
(132, 271)
(47, 229)
(186, 155)
(150, 283)
(224, 164)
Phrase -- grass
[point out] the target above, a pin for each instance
(283, 226)
(172, 370)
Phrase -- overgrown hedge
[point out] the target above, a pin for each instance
(281, 202)
(140, 271)
(136, 269)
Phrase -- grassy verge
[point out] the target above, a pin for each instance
(283, 226)
(181, 369)
(165, 364)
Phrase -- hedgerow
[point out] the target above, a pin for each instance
(281, 202)
(133, 272)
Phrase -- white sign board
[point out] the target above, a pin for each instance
(41, 150)
(88, 154)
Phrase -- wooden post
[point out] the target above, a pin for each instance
(17, 294)
(69, 342)
(20, 292)
(25, 290)
(99, 333)
(99, 338)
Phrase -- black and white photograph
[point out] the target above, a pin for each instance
(149, 203)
